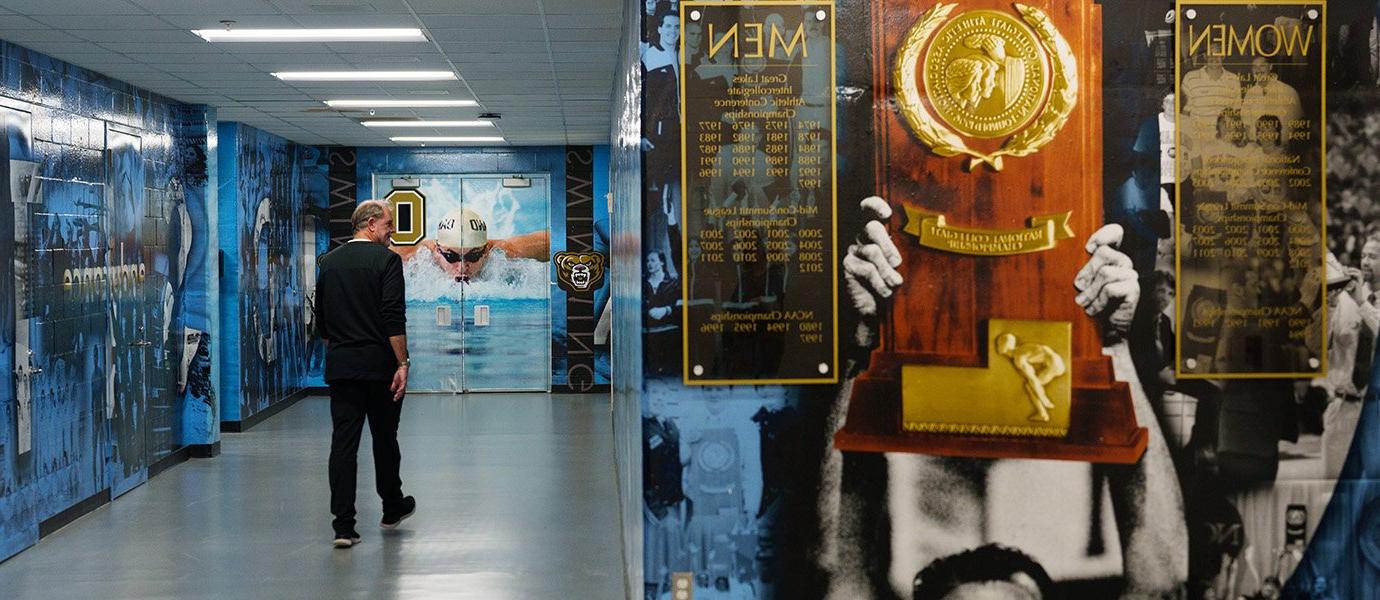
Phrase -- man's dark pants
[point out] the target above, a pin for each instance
(352, 402)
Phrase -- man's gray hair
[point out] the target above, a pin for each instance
(368, 209)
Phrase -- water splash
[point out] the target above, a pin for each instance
(502, 278)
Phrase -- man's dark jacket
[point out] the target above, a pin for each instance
(359, 305)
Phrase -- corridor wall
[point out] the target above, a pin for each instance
(270, 191)
(106, 304)
(625, 183)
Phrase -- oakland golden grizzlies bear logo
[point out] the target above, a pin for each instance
(579, 271)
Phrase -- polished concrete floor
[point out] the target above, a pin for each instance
(516, 499)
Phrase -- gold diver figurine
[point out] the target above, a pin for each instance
(1039, 364)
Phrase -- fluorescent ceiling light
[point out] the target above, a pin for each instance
(364, 75)
(399, 103)
(446, 138)
(311, 35)
(387, 123)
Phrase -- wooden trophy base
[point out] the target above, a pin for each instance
(1102, 422)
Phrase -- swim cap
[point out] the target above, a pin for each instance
(462, 228)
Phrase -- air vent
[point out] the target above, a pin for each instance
(429, 92)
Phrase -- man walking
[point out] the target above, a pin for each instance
(361, 314)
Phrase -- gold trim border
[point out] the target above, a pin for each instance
(990, 430)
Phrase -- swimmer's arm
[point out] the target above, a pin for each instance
(1149, 510)
(536, 245)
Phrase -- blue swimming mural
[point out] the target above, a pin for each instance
(269, 187)
(105, 320)
(526, 343)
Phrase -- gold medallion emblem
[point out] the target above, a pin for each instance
(986, 74)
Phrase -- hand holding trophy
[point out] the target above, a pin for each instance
(869, 270)
(1107, 284)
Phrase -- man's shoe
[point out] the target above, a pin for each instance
(347, 541)
(390, 521)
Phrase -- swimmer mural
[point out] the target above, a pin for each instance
(105, 314)
(268, 184)
(485, 311)
(478, 301)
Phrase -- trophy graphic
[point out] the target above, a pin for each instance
(990, 155)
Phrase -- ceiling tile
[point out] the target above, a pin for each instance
(8, 21)
(71, 7)
(578, 47)
(433, 23)
(341, 7)
(581, 7)
(382, 47)
(205, 68)
(401, 19)
(475, 7)
(488, 35)
(212, 21)
(178, 36)
(26, 36)
(130, 47)
(584, 35)
(229, 8)
(109, 22)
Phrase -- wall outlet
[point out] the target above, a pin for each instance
(481, 315)
(443, 315)
(682, 586)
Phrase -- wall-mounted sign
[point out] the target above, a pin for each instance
(759, 252)
(1253, 286)
(579, 272)
(409, 216)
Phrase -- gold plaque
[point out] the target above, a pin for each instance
(986, 74)
(934, 231)
(1024, 390)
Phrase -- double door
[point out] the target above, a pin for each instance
(484, 325)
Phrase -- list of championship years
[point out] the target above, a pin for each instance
(1249, 177)
(759, 288)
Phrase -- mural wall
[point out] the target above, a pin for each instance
(105, 320)
(518, 278)
(1244, 488)
(625, 183)
(272, 195)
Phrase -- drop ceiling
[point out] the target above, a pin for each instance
(546, 65)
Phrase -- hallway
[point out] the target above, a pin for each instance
(516, 499)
